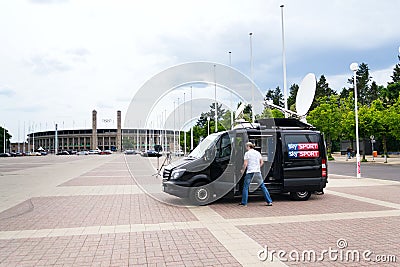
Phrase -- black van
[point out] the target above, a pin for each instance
(294, 156)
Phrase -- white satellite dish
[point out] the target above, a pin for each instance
(239, 110)
(306, 93)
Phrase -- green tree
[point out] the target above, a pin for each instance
(322, 89)
(294, 88)
(390, 94)
(210, 114)
(347, 119)
(363, 88)
(326, 118)
(275, 96)
(270, 113)
(396, 73)
(366, 124)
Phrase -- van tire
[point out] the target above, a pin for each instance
(200, 194)
(300, 195)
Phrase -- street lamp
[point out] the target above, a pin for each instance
(252, 78)
(230, 80)
(215, 100)
(285, 93)
(208, 126)
(191, 116)
(184, 121)
(354, 68)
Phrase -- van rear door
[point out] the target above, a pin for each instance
(302, 160)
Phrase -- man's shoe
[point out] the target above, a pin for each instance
(269, 204)
(241, 204)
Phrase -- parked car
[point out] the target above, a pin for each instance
(106, 152)
(151, 153)
(43, 153)
(179, 153)
(82, 153)
(4, 155)
(130, 152)
(94, 151)
(63, 153)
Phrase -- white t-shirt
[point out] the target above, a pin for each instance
(253, 160)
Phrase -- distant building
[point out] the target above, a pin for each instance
(113, 139)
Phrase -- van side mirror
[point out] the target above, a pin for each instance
(210, 153)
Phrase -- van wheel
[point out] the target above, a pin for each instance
(300, 195)
(200, 194)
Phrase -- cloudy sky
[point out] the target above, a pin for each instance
(60, 59)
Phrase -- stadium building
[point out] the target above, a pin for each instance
(105, 139)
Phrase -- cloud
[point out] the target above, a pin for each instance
(7, 92)
(58, 61)
(45, 64)
(48, 1)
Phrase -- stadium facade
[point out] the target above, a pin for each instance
(104, 139)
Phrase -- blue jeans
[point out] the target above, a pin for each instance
(247, 180)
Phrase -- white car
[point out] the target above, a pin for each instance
(94, 151)
(82, 153)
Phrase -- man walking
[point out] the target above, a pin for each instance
(253, 162)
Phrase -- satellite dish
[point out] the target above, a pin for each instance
(305, 95)
(239, 110)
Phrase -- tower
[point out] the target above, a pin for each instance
(93, 144)
(119, 132)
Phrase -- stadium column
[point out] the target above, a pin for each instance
(119, 135)
(94, 130)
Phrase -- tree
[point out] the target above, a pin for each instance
(275, 96)
(346, 107)
(270, 113)
(396, 73)
(363, 79)
(210, 114)
(373, 93)
(322, 89)
(384, 121)
(366, 124)
(8, 137)
(326, 118)
(294, 88)
(390, 94)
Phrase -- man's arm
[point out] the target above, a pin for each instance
(261, 162)
(244, 166)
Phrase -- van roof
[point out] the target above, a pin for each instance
(284, 123)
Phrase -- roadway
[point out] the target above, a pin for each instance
(368, 170)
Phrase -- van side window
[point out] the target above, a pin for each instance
(301, 138)
(225, 150)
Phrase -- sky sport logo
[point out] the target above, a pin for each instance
(335, 254)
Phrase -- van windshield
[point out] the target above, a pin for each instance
(200, 150)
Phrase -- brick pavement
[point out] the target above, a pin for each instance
(95, 215)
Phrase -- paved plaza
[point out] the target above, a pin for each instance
(92, 211)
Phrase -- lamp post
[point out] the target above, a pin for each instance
(179, 128)
(174, 132)
(191, 116)
(230, 65)
(354, 68)
(252, 78)
(285, 94)
(208, 126)
(184, 122)
(215, 100)
(4, 139)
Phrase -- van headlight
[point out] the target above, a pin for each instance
(177, 173)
